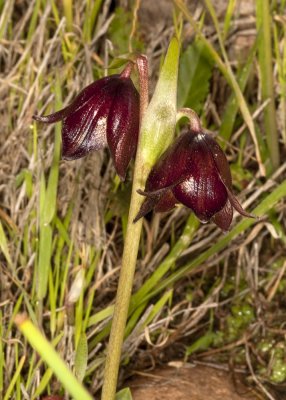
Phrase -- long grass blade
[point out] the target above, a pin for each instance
(4, 245)
(52, 358)
(15, 378)
(264, 21)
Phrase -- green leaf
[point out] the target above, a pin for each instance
(159, 121)
(81, 356)
(4, 245)
(232, 106)
(49, 210)
(124, 394)
(119, 31)
(45, 251)
(43, 383)
(203, 343)
(264, 24)
(92, 10)
(194, 77)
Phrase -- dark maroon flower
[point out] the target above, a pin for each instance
(194, 171)
(104, 113)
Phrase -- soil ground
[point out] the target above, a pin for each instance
(194, 382)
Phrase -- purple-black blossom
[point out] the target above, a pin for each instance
(193, 171)
(105, 113)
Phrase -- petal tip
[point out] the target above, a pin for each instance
(37, 117)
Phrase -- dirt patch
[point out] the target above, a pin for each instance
(194, 382)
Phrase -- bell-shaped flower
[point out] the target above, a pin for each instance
(194, 171)
(105, 113)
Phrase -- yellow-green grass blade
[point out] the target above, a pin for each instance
(228, 16)
(232, 106)
(43, 383)
(4, 245)
(264, 23)
(92, 10)
(52, 358)
(14, 378)
(81, 357)
(280, 56)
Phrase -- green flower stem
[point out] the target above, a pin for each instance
(194, 120)
(156, 132)
(129, 257)
(124, 287)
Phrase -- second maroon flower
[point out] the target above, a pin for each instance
(193, 171)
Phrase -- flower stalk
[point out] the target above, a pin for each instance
(150, 146)
(124, 289)
(129, 257)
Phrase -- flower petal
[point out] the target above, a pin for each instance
(173, 166)
(219, 159)
(223, 218)
(123, 125)
(78, 102)
(55, 117)
(149, 203)
(166, 203)
(236, 204)
(84, 129)
(203, 192)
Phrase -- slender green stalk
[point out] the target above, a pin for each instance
(267, 86)
(68, 13)
(124, 288)
(156, 132)
(131, 245)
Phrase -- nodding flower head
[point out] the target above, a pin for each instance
(194, 171)
(105, 113)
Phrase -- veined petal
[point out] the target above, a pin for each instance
(149, 203)
(219, 159)
(173, 166)
(85, 129)
(78, 102)
(203, 192)
(236, 204)
(123, 125)
(166, 203)
(224, 217)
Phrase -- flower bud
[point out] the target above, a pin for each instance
(105, 113)
(194, 171)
